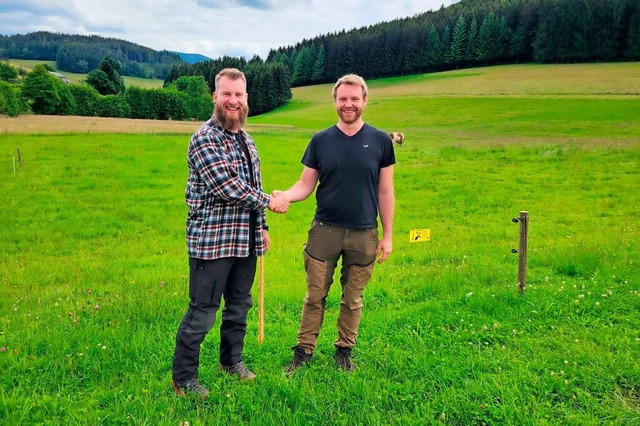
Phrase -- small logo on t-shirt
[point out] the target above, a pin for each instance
(365, 146)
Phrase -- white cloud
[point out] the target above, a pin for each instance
(209, 27)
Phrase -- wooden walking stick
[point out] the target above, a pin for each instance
(261, 301)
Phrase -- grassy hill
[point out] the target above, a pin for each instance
(93, 278)
(146, 83)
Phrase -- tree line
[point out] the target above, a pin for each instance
(103, 94)
(468, 34)
(82, 54)
(268, 83)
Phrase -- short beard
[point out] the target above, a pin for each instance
(356, 117)
(230, 123)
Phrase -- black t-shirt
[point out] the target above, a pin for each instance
(253, 216)
(349, 169)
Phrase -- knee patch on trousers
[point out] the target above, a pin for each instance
(356, 283)
(199, 322)
(319, 277)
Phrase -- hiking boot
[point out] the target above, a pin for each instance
(343, 360)
(300, 357)
(192, 386)
(239, 370)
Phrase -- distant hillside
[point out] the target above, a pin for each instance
(82, 54)
(192, 58)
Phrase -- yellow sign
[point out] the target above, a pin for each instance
(418, 235)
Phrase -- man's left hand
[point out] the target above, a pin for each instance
(384, 249)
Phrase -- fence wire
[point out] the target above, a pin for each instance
(9, 165)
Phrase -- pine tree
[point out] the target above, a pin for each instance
(459, 41)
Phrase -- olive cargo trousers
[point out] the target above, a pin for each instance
(325, 245)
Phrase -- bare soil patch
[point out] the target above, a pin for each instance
(73, 124)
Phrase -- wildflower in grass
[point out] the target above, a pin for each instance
(597, 303)
(3, 349)
(469, 294)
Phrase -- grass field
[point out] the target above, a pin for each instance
(145, 83)
(93, 276)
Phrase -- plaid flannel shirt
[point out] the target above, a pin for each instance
(220, 196)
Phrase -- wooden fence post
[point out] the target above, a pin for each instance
(523, 219)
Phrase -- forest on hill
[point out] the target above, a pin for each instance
(471, 33)
(82, 54)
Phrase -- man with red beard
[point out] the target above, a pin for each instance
(226, 231)
(353, 163)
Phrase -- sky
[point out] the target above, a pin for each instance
(209, 27)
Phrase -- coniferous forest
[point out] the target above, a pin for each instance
(472, 33)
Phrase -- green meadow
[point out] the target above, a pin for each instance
(93, 267)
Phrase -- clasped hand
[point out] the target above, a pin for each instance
(279, 203)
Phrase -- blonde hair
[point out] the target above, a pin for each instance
(352, 80)
(232, 73)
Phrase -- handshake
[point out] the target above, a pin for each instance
(279, 203)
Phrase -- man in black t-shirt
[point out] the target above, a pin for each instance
(353, 163)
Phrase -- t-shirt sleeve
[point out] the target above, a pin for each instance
(310, 159)
(388, 153)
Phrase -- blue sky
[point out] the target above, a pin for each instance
(210, 27)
